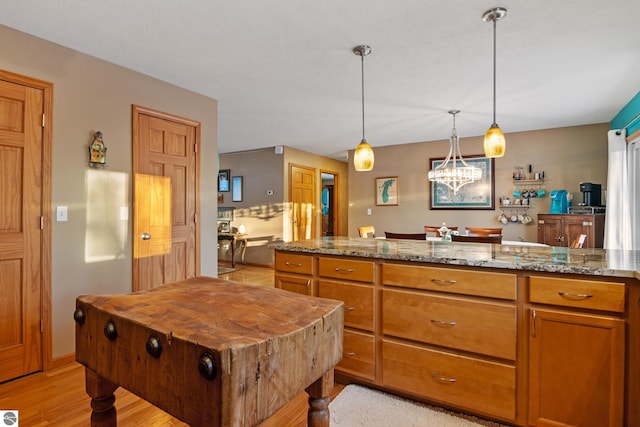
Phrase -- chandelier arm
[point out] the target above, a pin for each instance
(455, 176)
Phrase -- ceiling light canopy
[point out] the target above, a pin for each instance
(454, 172)
(363, 157)
(494, 141)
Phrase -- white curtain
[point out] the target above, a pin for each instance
(633, 164)
(618, 233)
(623, 183)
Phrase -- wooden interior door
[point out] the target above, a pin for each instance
(165, 190)
(302, 185)
(21, 216)
(330, 220)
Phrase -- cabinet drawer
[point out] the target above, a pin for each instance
(346, 269)
(297, 284)
(358, 355)
(480, 283)
(478, 385)
(476, 326)
(358, 302)
(592, 294)
(294, 263)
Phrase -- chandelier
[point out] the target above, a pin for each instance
(454, 172)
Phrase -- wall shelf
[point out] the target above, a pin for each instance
(528, 182)
(507, 207)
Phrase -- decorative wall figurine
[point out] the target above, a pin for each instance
(97, 151)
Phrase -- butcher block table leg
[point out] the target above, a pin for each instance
(101, 391)
(318, 414)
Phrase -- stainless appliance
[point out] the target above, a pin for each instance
(591, 194)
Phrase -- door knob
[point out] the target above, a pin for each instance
(146, 236)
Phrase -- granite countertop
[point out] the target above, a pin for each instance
(596, 262)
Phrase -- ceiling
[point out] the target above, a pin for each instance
(284, 72)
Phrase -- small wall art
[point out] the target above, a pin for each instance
(97, 152)
(387, 191)
(224, 180)
(236, 195)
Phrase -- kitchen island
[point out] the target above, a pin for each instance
(526, 335)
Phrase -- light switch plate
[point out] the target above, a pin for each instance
(61, 213)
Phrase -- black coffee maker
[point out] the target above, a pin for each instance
(591, 194)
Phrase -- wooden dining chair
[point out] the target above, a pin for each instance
(436, 229)
(579, 241)
(406, 236)
(484, 231)
(477, 239)
(367, 231)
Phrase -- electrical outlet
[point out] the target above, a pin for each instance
(369, 211)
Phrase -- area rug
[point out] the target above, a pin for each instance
(224, 270)
(361, 406)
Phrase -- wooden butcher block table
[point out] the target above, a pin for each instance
(209, 352)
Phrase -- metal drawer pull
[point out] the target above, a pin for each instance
(443, 379)
(350, 308)
(444, 282)
(351, 353)
(342, 270)
(308, 283)
(290, 264)
(443, 324)
(571, 296)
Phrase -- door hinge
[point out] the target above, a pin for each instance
(41, 223)
(43, 119)
(195, 218)
(195, 148)
(41, 325)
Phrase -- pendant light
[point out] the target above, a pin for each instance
(454, 172)
(363, 157)
(494, 141)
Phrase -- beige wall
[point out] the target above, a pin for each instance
(260, 213)
(266, 217)
(568, 156)
(91, 252)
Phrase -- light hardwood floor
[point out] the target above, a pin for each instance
(58, 397)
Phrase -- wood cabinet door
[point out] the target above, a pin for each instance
(550, 231)
(573, 227)
(576, 369)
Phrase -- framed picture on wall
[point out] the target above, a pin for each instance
(387, 191)
(224, 180)
(475, 195)
(236, 185)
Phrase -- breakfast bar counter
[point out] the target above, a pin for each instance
(596, 262)
(523, 334)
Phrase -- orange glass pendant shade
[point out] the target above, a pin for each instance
(363, 158)
(494, 142)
